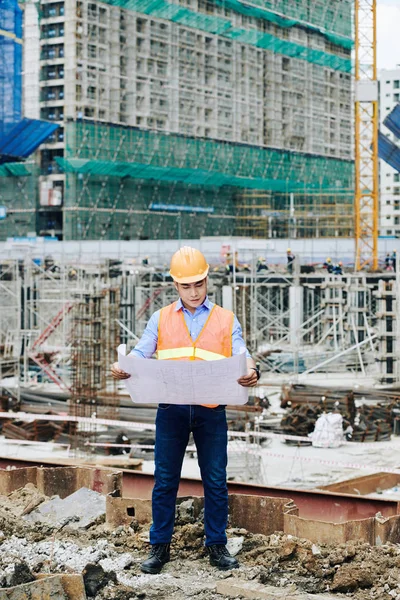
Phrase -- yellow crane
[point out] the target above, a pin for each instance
(366, 137)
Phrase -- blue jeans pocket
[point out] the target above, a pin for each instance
(164, 406)
(220, 408)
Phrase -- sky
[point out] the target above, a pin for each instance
(388, 33)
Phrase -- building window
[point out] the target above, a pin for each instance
(396, 84)
(396, 97)
(396, 177)
(396, 191)
(397, 220)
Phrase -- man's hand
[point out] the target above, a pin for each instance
(118, 373)
(249, 380)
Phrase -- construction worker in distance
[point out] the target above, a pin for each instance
(328, 265)
(290, 260)
(394, 260)
(388, 262)
(261, 264)
(338, 269)
(192, 328)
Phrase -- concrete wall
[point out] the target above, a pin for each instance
(160, 251)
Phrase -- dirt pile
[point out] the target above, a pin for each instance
(110, 560)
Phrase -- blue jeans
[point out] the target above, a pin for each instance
(173, 426)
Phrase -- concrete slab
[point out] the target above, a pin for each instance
(62, 481)
(256, 591)
(78, 510)
(48, 587)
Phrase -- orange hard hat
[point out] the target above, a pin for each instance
(188, 265)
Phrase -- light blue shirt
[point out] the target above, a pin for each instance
(147, 345)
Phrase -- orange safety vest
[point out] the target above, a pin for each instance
(213, 342)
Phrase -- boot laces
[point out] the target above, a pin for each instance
(220, 550)
(158, 550)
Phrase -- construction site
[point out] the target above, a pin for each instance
(248, 131)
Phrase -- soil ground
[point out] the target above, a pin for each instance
(352, 570)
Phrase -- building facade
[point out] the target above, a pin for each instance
(208, 73)
(389, 178)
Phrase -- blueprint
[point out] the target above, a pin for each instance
(184, 382)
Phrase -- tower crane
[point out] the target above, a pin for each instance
(366, 137)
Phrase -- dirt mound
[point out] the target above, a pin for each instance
(362, 571)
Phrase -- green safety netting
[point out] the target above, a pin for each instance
(14, 170)
(171, 174)
(225, 28)
(324, 23)
(130, 146)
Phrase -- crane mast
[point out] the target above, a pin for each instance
(366, 137)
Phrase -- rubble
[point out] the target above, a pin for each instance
(367, 422)
(52, 587)
(109, 560)
(78, 510)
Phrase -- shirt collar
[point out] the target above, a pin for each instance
(206, 304)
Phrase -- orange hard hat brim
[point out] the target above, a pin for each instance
(191, 278)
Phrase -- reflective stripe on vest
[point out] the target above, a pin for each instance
(188, 352)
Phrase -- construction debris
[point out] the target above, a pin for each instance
(78, 511)
(366, 423)
(47, 587)
(277, 564)
(325, 399)
(106, 556)
(39, 431)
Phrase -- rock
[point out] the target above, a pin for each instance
(315, 549)
(78, 510)
(348, 578)
(287, 549)
(185, 511)
(95, 578)
(21, 574)
(235, 545)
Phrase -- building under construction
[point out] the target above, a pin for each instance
(188, 119)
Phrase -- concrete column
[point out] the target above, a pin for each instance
(227, 297)
(296, 312)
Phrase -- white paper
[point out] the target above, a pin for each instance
(184, 381)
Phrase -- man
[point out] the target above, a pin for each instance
(193, 328)
(290, 260)
(261, 264)
(328, 265)
(394, 260)
(338, 269)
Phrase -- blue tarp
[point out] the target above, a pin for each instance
(24, 138)
(388, 151)
(392, 121)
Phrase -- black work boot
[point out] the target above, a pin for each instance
(159, 555)
(220, 558)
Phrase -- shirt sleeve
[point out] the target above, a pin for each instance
(147, 344)
(237, 339)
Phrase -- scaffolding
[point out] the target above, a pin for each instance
(108, 166)
(10, 65)
(94, 339)
(19, 194)
(61, 323)
(10, 334)
(194, 105)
